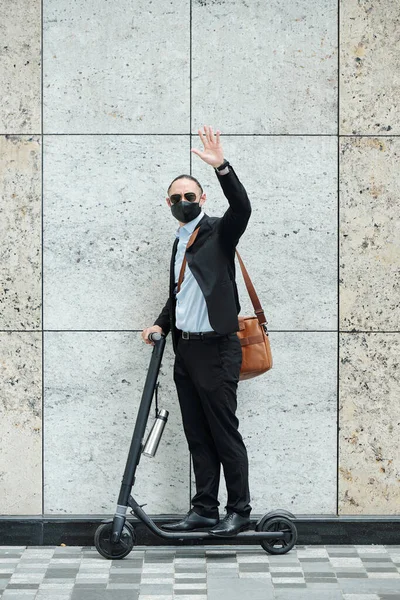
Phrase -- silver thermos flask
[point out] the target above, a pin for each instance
(151, 445)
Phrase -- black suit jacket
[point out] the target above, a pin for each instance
(211, 258)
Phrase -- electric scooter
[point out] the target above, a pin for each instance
(115, 538)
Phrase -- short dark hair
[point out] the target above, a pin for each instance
(184, 176)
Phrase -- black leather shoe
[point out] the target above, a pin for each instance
(230, 525)
(190, 522)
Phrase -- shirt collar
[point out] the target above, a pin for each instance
(190, 226)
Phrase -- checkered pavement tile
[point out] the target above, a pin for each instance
(171, 573)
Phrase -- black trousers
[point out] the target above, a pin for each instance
(206, 375)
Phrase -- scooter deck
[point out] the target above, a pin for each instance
(196, 534)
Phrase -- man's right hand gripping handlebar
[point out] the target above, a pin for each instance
(146, 332)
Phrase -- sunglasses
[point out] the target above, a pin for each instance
(189, 196)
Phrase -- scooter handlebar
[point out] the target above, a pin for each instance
(154, 336)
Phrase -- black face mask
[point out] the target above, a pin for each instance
(186, 211)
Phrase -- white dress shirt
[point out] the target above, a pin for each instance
(191, 309)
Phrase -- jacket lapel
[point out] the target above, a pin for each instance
(205, 229)
(172, 269)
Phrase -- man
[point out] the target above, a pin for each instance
(203, 320)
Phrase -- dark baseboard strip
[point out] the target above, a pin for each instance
(79, 530)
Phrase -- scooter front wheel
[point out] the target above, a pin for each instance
(110, 549)
(277, 524)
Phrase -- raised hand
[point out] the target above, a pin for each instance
(212, 153)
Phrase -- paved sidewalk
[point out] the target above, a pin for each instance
(201, 573)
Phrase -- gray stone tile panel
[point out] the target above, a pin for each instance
(20, 231)
(369, 62)
(116, 68)
(279, 76)
(99, 414)
(20, 66)
(369, 389)
(21, 423)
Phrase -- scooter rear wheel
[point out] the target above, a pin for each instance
(278, 524)
(109, 549)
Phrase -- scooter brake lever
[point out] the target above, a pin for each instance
(140, 505)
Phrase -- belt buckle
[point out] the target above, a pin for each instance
(185, 337)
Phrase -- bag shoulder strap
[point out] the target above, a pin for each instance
(182, 271)
(258, 310)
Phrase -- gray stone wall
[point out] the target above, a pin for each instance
(100, 105)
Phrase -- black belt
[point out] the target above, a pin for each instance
(190, 335)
